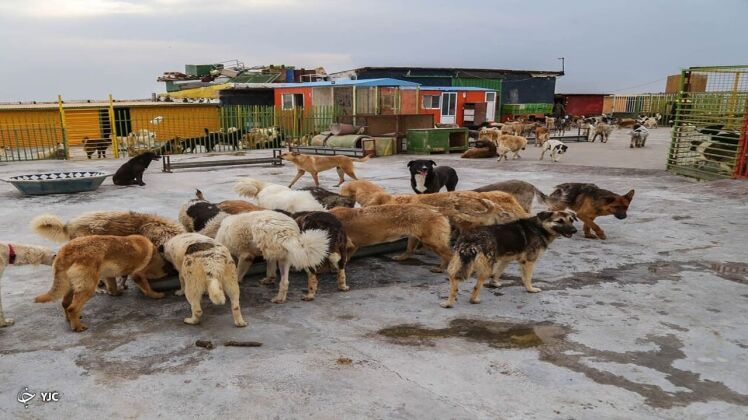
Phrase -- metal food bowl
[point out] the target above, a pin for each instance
(58, 182)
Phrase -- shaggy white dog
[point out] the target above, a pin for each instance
(277, 197)
(204, 266)
(277, 238)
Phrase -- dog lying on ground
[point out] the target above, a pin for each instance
(120, 223)
(603, 130)
(204, 266)
(131, 172)
(638, 136)
(556, 148)
(98, 146)
(482, 149)
(488, 249)
(20, 254)
(378, 224)
(81, 262)
(316, 164)
(337, 251)
(512, 144)
(277, 197)
(424, 179)
(463, 208)
(590, 201)
(278, 238)
(522, 191)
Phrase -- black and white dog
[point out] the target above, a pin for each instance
(556, 148)
(426, 180)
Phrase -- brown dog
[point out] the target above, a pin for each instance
(377, 224)
(81, 262)
(464, 209)
(512, 144)
(590, 201)
(316, 164)
(542, 135)
(482, 149)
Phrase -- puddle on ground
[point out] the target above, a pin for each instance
(497, 334)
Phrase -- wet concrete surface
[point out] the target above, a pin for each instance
(647, 324)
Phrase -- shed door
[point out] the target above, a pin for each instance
(449, 107)
(490, 106)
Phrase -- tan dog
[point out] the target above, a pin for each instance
(464, 209)
(377, 224)
(20, 254)
(542, 135)
(491, 134)
(316, 164)
(512, 144)
(81, 262)
(204, 266)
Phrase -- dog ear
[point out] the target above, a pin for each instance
(629, 195)
(411, 163)
(545, 215)
(199, 195)
(432, 162)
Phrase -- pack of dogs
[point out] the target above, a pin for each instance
(212, 245)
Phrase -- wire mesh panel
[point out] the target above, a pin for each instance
(708, 140)
(31, 135)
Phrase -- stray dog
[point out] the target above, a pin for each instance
(590, 201)
(482, 149)
(463, 208)
(277, 197)
(96, 145)
(81, 262)
(542, 135)
(424, 179)
(638, 136)
(278, 238)
(721, 147)
(626, 122)
(20, 254)
(131, 172)
(204, 266)
(514, 144)
(491, 134)
(337, 251)
(329, 199)
(488, 249)
(172, 146)
(603, 130)
(523, 192)
(556, 148)
(316, 164)
(378, 224)
(120, 223)
(201, 216)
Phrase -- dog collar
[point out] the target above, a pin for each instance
(11, 255)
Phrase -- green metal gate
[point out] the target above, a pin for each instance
(709, 133)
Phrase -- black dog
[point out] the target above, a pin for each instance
(131, 172)
(426, 180)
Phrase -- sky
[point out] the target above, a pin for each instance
(89, 49)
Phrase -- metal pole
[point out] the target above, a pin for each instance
(113, 125)
(64, 127)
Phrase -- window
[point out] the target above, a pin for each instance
(292, 100)
(431, 101)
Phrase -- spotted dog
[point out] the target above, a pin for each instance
(556, 149)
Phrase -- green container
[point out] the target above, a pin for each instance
(437, 140)
(198, 69)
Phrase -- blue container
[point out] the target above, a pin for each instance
(58, 182)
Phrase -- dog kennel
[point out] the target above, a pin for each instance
(709, 132)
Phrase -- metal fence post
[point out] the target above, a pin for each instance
(113, 125)
(64, 127)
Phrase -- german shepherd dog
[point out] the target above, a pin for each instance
(329, 199)
(489, 249)
(590, 201)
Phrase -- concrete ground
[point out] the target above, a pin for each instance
(647, 324)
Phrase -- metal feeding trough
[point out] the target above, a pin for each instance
(58, 182)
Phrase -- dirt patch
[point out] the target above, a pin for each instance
(733, 271)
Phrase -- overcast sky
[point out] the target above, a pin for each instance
(88, 49)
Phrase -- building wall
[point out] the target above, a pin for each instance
(584, 104)
(183, 121)
(463, 97)
(30, 128)
(306, 91)
(255, 97)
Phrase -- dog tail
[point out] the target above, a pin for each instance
(215, 291)
(363, 159)
(249, 187)
(51, 227)
(308, 249)
(60, 284)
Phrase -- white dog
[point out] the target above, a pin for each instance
(204, 266)
(556, 148)
(18, 254)
(277, 238)
(277, 197)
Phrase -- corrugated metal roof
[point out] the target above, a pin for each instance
(92, 104)
(255, 78)
(458, 71)
(385, 82)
